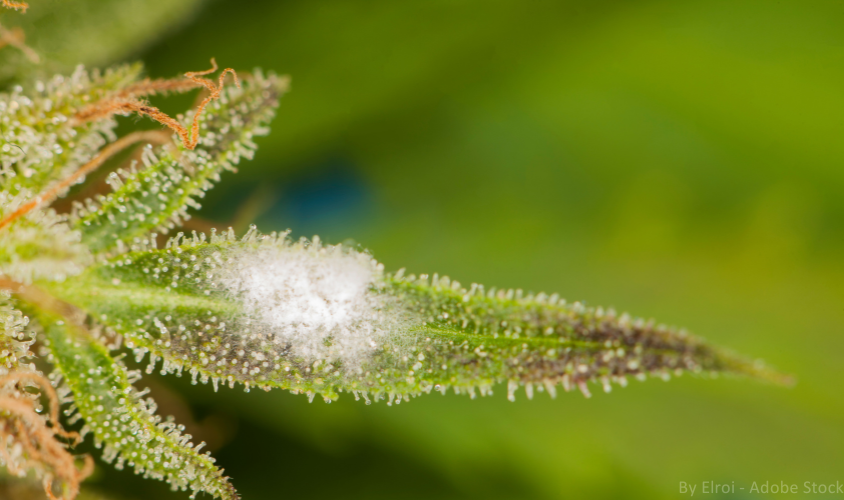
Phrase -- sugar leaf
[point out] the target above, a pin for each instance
(268, 312)
(157, 195)
(121, 420)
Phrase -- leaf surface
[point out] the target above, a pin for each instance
(173, 304)
(122, 421)
(39, 245)
(157, 195)
(14, 342)
(40, 143)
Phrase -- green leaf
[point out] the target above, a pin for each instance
(14, 342)
(179, 305)
(90, 32)
(157, 196)
(123, 423)
(39, 141)
(542, 340)
(39, 245)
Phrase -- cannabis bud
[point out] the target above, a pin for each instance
(86, 287)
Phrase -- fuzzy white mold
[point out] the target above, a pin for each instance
(320, 301)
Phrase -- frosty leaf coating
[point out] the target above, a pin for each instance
(157, 195)
(40, 142)
(399, 337)
(39, 245)
(14, 342)
(123, 423)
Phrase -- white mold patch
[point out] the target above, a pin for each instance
(320, 301)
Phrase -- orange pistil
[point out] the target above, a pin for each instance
(21, 6)
(23, 425)
(125, 102)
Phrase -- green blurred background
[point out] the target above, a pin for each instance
(677, 160)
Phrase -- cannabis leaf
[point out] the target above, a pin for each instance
(157, 195)
(40, 141)
(64, 34)
(234, 310)
(14, 344)
(38, 245)
(121, 420)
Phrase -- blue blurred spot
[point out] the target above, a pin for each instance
(329, 200)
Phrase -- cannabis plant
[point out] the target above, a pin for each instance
(92, 292)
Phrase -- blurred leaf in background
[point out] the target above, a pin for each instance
(92, 32)
(681, 160)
